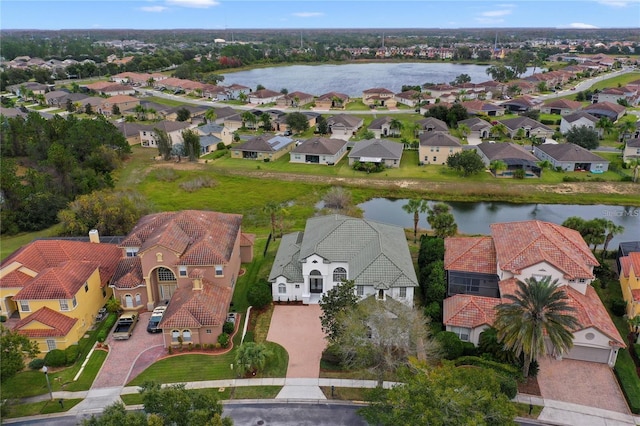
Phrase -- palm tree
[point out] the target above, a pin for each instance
(210, 115)
(248, 117)
(396, 126)
(497, 166)
(626, 129)
(635, 164)
(499, 130)
(612, 229)
(605, 124)
(464, 131)
(416, 207)
(251, 357)
(272, 209)
(537, 311)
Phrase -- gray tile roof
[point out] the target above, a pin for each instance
(377, 148)
(377, 253)
(319, 146)
(633, 143)
(433, 123)
(524, 122)
(379, 122)
(265, 143)
(475, 123)
(438, 139)
(504, 151)
(570, 152)
(346, 120)
(287, 261)
(570, 118)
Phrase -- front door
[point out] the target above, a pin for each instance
(315, 282)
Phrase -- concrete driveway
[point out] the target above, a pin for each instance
(581, 382)
(128, 358)
(298, 330)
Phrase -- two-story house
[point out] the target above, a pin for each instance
(189, 260)
(436, 147)
(56, 287)
(335, 248)
(482, 270)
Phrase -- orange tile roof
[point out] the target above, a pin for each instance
(61, 282)
(523, 244)
(630, 262)
(472, 254)
(190, 308)
(199, 237)
(54, 324)
(15, 279)
(42, 254)
(635, 293)
(128, 273)
(464, 310)
(247, 239)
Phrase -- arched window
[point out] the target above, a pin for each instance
(128, 301)
(282, 288)
(174, 335)
(138, 299)
(381, 294)
(165, 274)
(186, 335)
(339, 275)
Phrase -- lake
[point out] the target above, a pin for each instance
(352, 79)
(475, 218)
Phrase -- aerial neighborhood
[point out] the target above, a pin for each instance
(170, 225)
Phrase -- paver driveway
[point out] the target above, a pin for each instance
(581, 382)
(128, 358)
(298, 330)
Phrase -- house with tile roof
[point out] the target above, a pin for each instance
(513, 155)
(54, 288)
(516, 251)
(332, 100)
(335, 248)
(379, 96)
(123, 102)
(174, 129)
(531, 128)
(571, 158)
(264, 147)
(381, 127)
(631, 150)
(343, 126)
(189, 260)
(264, 96)
(606, 109)
(483, 108)
(630, 282)
(436, 147)
(561, 106)
(521, 104)
(578, 119)
(480, 129)
(295, 99)
(431, 124)
(377, 151)
(319, 151)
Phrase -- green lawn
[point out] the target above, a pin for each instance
(617, 81)
(242, 392)
(44, 407)
(345, 394)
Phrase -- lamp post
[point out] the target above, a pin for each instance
(46, 375)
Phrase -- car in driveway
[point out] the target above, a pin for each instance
(156, 316)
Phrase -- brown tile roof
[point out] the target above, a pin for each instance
(627, 263)
(53, 324)
(464, 310)
(472, 254)
(522, 244)
(378, 90)
(59, 282)
(42, 254)
(329, 96)
(197, 308)
(247, 239)
(15, 279)
(120, 99)
(570, 152)
(199, 237)
(320, 146)
(128, 274)
(605, 106)
(564, 103)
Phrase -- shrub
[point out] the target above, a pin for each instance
(109, 322)
(508, 386)
(266, 160)
(3, 318)
(198, 183)
(571, 179)
(221, 146)
(223, 340)
(71, 354)
(166, 174)
(469, 349)
(36, 364)
(228, 327)
(102, 336)
(190, 346)
(505, 369)
(331, 355)
(55, 358)
(451, 344)
(259, 294)
(198, 346)
(519, 174)
(217, 345)
(618, 307)
(170, 350)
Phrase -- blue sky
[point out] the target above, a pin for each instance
(221, 14)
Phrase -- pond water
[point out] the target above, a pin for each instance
(352, 79)
(475, 218)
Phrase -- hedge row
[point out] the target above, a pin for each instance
(509, 370)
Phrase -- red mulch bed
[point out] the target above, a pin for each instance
(530, 387)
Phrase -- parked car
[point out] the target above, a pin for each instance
(125, 325)
(156, 316)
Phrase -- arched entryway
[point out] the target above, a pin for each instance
(315, 281)
(166, 283)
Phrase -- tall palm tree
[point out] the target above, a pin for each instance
(416, 207)
(499, 130)
(612, 229)
(464, 131)
(605, 124)
(538, 311)
(497, 166)
(626, 129)
(635, 164)
(396, 126)
(210, 115)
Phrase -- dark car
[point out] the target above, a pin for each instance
(156, 316)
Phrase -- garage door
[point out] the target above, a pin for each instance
(583, 353)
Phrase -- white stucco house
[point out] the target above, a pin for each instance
(335, 248)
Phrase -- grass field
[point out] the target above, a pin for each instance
(44, 407)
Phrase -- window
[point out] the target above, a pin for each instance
(435, 158)
(64, 305)
(74, 302)
(138, 299)
(208, 331)
(86, 287)
(219, 271)
(158, 257)
(582, 280)
(339, 275)
(403, 292)
(186, 335)
(540, 277)
(282, 288)
(24, 306)
(51, 344)
(165, 274)
(174, 335)
(104, 293)
(431, 149)
(297, 285)
(182, 271)
(462, 332)
(360, 290)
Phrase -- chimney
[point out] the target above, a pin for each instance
(94, 236)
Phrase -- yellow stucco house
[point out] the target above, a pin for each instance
(52, 289)
(630, 282)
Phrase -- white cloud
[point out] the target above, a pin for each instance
(155, 9)
(580, 25)
(615, 3)
(308, 14)
(495, 13)
(489, 21)
(200, 4)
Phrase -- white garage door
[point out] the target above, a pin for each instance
(583, 353)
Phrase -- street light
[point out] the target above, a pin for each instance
(46, 375)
